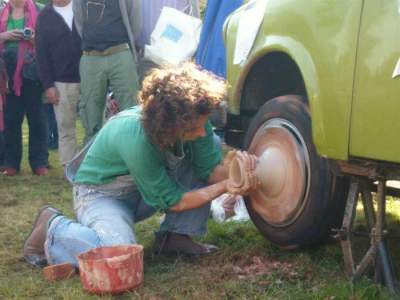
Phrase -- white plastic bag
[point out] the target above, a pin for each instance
(221, 214)
(174, 39)
(241, 213)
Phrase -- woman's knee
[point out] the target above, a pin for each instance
(116, 234)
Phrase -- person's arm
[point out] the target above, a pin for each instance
(221, 171)
(11, 35)
(223, 184)
(44, 64)
(207, 157)
(135, 19)
(153, 182)
(78, 15)
(200, 197)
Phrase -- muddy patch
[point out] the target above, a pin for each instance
(252, 268)
(256, 266)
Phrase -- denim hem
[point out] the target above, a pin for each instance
(50, 221)
(51, 225)
(6, 166)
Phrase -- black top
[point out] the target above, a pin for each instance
(58, 49)
(103, 26)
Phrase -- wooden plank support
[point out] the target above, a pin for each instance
(377, 255)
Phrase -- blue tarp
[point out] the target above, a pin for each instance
(211, 51)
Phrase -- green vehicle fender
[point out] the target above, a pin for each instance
(290, 28)
(298, 53)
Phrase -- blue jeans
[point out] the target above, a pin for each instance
(106, 215)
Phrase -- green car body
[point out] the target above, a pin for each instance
(341, 56)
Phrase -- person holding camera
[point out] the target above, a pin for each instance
(58, 50)
(17, 23)
(3, 91)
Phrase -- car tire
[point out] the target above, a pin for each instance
(308, 200)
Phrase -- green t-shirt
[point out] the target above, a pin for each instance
(122, 147)
(14, 24)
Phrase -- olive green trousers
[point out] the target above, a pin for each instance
(117, 72)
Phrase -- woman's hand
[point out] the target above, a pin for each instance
(11, 35)
(52, 95)
(229, 158)
(229, 205)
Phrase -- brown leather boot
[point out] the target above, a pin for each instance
(34, 245)
(171, 243)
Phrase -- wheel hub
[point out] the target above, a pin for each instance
(272, 172)
(283, 170)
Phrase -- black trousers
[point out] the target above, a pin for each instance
(1, 149)
(29, 103)
(52, 140)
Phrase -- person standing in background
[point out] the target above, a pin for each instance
(17, 24)
(58, 48)
(3, 92)
(109, 30)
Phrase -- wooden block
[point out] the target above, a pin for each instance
(59, 272)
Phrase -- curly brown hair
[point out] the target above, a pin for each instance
(173, 98)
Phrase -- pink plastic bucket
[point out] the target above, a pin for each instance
(111, 269)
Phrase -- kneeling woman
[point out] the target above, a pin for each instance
(159, 156)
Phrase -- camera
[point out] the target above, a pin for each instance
(27, 33)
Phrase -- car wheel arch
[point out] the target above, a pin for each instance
(272, 75)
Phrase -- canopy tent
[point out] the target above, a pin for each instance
(211, 51)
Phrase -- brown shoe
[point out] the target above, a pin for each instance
(34, 245)
(170, 243)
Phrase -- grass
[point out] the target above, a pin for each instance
(247, 267)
